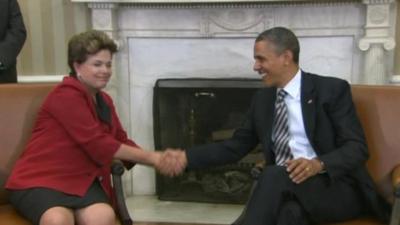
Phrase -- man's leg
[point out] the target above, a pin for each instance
(327, 201)
(292, 213)
(322, 200)
(264, 203)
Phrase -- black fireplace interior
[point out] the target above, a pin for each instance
(190, 112)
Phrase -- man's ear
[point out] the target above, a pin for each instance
(288, 56)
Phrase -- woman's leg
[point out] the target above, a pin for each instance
(95, 214)
(57, 216)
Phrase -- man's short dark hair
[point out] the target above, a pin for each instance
(283, 39)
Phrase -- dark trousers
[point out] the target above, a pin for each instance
(9, 75)
(277, 200)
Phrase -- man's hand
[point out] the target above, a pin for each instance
(301, 169)
(171, 162)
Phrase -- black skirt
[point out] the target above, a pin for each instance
(32, 203)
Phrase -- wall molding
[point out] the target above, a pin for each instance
(395, 79)
(39, 78)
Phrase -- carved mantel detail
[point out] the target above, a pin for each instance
(237, 22)
(217, 1)
(209, 3)
(104, 16)
(377, 41)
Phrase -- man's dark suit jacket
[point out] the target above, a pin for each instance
(12, 38)
(331, 125)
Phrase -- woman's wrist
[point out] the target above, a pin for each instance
(154, 158)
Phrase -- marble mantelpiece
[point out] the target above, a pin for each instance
(214, 39)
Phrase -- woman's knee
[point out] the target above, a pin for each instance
(96, 214)
(57, 216)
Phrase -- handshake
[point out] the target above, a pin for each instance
(170, 162)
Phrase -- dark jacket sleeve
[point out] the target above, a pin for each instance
(351, 151)
(12, 33)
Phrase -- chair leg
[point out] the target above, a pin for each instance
(117, 170)
(395, 218)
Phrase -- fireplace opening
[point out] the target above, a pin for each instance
(189, 112)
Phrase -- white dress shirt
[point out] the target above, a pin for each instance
(299, 144)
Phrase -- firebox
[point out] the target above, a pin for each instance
(190, 112)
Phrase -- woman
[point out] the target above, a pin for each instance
(63, 176)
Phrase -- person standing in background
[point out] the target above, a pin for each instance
(12, 38)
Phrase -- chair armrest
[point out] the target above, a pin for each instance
(117, 169)
(396, 180)
(395, 217)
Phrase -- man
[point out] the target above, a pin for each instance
(312, 140)
(12, 38)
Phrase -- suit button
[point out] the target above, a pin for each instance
(100, 178)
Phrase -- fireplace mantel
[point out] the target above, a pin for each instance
(373, 27)
(102, 4)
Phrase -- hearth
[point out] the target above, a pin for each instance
(190, 112)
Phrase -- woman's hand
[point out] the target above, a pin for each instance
(170, 162)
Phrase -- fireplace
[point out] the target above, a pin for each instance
(350, 39)
(190, 112)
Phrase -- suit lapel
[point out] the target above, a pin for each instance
(308, 105)
(270, 110)
(265, 114)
